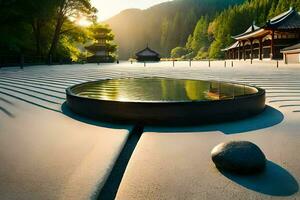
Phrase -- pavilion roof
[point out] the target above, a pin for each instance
(295, 47)
(147, 52)
(287, 20)
(252, 29)
(234, 45)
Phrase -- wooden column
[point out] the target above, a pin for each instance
(244, 51)
(272, 46)
(251, 43)
(233, 52)
(285, 58)
(239, 51)
(260, 49)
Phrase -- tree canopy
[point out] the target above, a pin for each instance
(40, 28)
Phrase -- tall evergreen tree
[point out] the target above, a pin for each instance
(200, 35)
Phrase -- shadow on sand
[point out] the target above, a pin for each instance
(270, 117)
(274, 180)
(110, 188)
(66, 111)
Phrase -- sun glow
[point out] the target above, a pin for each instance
(109, 8)
(83, 21)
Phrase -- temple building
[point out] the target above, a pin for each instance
(291, 54)
(102, 50)
(147, 54)
(266, 42)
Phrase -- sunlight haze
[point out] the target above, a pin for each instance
(109, 8)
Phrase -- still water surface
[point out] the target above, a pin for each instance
(160, 89)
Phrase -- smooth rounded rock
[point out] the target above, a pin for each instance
(239, 157)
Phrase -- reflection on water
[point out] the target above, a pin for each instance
(161, 89)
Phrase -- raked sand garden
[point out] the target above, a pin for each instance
(48, 152)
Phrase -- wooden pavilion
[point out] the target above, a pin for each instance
(267, 41)
(147, 54)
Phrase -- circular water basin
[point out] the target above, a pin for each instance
(165, 100)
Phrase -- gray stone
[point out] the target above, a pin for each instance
(239, 157)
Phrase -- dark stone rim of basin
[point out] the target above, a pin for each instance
(175, 113)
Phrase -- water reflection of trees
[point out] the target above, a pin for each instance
(161, 89)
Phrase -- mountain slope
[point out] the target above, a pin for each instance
(163, 26)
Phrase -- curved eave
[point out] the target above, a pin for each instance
(234, 45)
(286, 21)
(281, 17)
(254, 34)
(152, 54)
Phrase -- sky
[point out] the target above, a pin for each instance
(109, 8)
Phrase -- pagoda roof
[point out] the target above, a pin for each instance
(100, 47)
(291, 49)
(234, 45)
(147, 52)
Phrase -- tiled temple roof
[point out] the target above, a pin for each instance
(147, 52)
(291, 48)
(251, 29)
(287, 20)
(234, 45)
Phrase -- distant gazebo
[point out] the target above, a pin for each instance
(147, 54)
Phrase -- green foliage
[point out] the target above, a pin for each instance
(67, 47)
(178, 52)
(200, 35)
(215, 49)
(68, 9)
(236, 20)
(282, 5)
(209, 37)
(188, 44)
(164, 26)
(183, 28)
(201, 55)
(37, 28)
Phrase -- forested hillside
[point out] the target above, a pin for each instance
(211, 35)
(163, 26)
